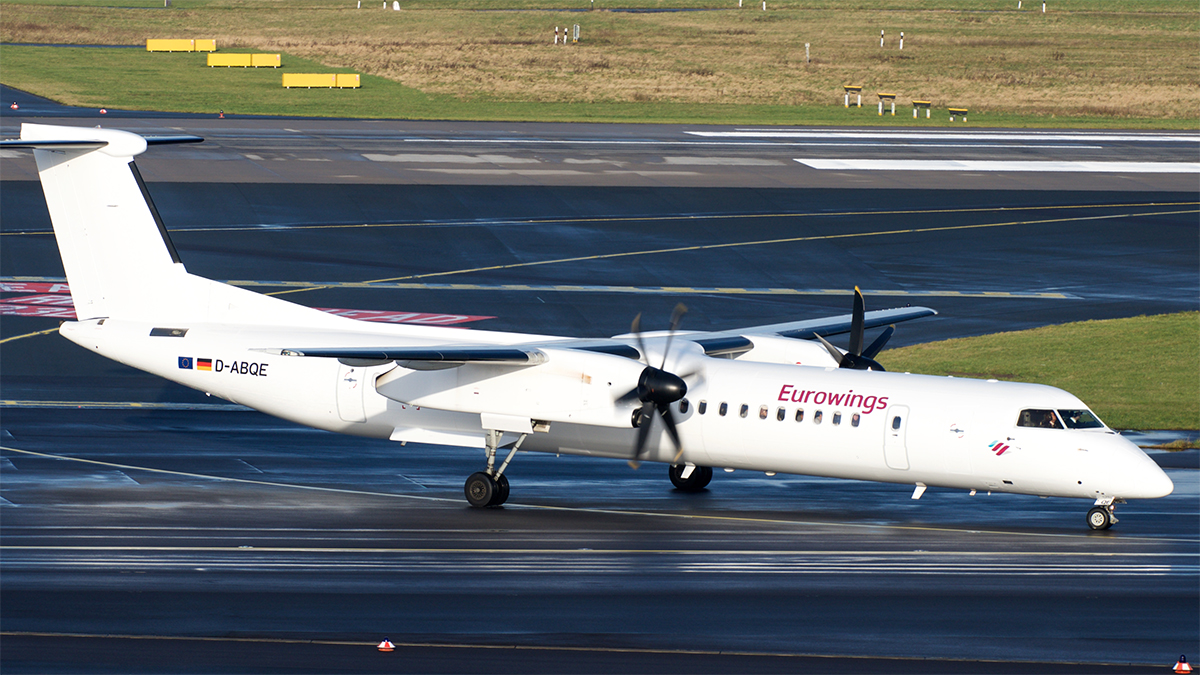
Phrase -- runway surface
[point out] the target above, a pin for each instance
(151, 529)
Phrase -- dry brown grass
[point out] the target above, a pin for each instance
(1136, 64)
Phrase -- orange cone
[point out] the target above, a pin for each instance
(14, 106)
(103, 111)
(386, 646)
(222, 115)
(1181, 666)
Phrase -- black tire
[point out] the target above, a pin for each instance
(501, 491)
(480, 489)
(1098, 518)
(696, 482)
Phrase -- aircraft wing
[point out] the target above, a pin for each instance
(834, 325)
(427, 358)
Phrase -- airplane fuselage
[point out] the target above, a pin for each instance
(742, 415)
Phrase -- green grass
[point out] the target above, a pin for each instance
(180, 82)
(1138, 373)
(1087, 63)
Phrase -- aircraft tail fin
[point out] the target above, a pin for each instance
(114, 247)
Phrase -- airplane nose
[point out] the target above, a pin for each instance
(1147, 480)
(1157, 484)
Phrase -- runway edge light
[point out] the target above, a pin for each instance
(1181, 666)
(386, 646)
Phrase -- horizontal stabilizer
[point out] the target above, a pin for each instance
(76, 144)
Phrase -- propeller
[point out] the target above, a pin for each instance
(857, 357)
(657, 389)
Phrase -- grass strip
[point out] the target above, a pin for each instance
(1086, 64)
(1136, 373)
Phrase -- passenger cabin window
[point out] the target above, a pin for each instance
(817, 417)
(762, 412)
(745, 410)
(799, 414)
(1044, 419)
(837, 418)
(781, 414)
(683, 407)
(896, 422)
(723, 409)
(702, 408)
(855, 419)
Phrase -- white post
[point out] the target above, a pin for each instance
(860, 99)
(556, 35)
(359, 4)
(764, 5)
(396, 5)
(739, 4)
(881, 39)
(575, 37)
(1043, 7)
(927, 112)
(1018, 4)
(914, 112)
(881, 107)
(807, 58)
(847, 99)
(901, 40)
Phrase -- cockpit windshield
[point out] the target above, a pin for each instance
(1080, 419)
(1044, 419)
(1056, 419)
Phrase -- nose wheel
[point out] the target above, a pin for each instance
(1101, 517)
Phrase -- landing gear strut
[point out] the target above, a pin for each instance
(1102, 516)
(689, 477)
(490, 487)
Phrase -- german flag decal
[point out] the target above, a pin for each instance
(203, 364)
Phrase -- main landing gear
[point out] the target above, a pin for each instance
(689, 477)
(490, 487)
(1102, 516)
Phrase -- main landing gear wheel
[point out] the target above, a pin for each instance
(697, 481)
(501, 491)
(483, 490)
(1100, 518)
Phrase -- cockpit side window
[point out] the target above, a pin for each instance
(1080, 419)
(1044, 419)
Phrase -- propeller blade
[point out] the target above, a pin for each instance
(833, 351)
(877, 345)
(856, 323)
(669, 418)
(636, 329)
(643, 431)
(628, 397)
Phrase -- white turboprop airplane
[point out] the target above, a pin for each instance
(766, 398)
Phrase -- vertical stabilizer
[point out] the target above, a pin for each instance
(113, 245)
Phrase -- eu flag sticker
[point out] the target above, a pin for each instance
(185, 362)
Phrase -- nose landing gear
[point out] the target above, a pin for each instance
(1102, 516)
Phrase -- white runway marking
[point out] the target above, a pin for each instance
(992, 165)
(450, 159)
(953, 136)
(721, 161)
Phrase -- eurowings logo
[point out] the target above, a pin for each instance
(998, 447)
